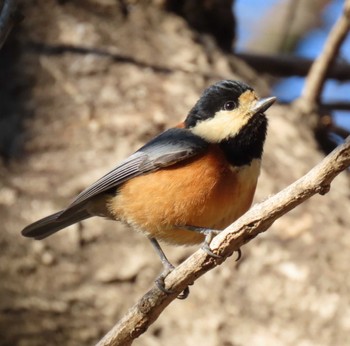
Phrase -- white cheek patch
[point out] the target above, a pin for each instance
(223, 125)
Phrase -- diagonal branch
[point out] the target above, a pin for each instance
(318, 72)
(258, 219)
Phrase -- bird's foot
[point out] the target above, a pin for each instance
(206, 245)
(209, 235)
(161, 284)
(168, 268)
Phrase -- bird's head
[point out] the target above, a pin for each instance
(225, 110)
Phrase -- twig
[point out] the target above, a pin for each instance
(329, 106)
(283, 65)
(340, 105)
(8, 18)
(258, 219)
(318, 72)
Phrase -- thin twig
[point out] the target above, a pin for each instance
(328, 106)
(284, 65)
(8, 18)
(340, 105)
(258, 219)
(318, 72)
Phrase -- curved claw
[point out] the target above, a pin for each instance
(161, 286)
(239, 254)
(184, 294)
(206, 249)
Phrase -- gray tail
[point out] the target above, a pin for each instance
(52, 224)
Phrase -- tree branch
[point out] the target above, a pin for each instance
(318, 72)
(258, 219)
(340, 105)
(283, 65)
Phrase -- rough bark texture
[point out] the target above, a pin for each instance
(67, 117)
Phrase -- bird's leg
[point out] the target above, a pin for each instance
(209, 235)
(168, 268)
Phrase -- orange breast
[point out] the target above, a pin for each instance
(204, 192)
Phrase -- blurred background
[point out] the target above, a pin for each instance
(84, 84)
(302, 31)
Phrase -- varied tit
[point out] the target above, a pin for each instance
(187, 183)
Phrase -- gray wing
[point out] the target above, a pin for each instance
(168, 148)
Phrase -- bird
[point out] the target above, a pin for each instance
(186, 184)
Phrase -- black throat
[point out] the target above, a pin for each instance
(248, 144)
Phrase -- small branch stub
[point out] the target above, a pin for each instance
(323, 189)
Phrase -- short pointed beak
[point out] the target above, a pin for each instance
(263, 104)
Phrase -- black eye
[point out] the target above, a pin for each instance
(229, 105)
